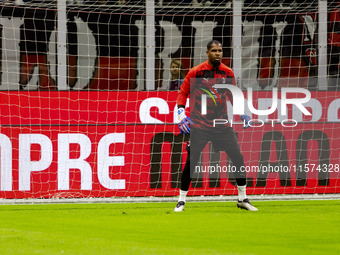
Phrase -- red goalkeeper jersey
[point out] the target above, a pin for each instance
(200, 80)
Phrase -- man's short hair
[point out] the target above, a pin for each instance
(211, 43)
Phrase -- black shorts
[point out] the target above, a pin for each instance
(222, 139)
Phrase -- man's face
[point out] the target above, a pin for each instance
(215, 54)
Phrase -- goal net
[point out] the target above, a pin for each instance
(88, 95)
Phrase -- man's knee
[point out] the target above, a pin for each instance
(238, 160)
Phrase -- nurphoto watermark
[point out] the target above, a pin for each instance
(213, 119)
(239, 105)
(256, 123)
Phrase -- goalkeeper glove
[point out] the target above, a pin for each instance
(184, 122)
(246, 121)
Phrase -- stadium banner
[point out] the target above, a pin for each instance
(110, 56)
(117, 144)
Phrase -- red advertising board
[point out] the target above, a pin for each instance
(103, 108)
(95, 144)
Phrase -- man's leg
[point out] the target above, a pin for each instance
(185, 184)
(186, 179)
(241, 180)
(192, 159)
(232, 148)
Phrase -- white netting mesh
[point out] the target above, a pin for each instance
(85, 106)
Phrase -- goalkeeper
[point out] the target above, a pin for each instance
(201, 80)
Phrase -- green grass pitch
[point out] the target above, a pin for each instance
(279, 227)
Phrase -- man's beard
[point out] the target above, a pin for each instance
(216, 63)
